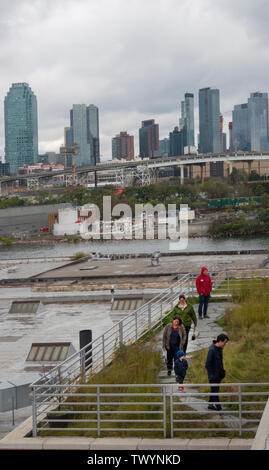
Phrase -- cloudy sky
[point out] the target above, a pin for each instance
(134, 59)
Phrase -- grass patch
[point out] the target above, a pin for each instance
(246, 356)
(78, 255)
(139, 363)
(236, 286)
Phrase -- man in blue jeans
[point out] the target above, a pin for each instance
(204, 287)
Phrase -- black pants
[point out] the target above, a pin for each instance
(214, 389)
(187, 328)
(179, 379)
(204, 299)
(171, 356)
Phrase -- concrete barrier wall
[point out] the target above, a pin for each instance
(27, 219)
(15, 395)
(261, 441)
(31, 210)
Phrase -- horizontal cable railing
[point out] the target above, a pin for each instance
(159, 409)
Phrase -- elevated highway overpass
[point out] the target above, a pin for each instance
(123, 172)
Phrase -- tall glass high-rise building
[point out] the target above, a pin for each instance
(148, 138)
(250, 126)
(186, 121)
(84, 124)
(240, 127)
(176, 140)
(21, 128)
(258, 121)
(209, 120)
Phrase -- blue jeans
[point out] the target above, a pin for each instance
(204, 299)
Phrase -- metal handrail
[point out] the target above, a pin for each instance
(180, 409)
(142, 320)
(132, 327)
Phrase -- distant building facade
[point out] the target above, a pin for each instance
(240, 128)
(258, 121)
(123, 146)
(148, 138)
(21, 126)
(176, 140)
(250, 125)
(4, 169)
(209, 120)
(164, 147)
(84, 131)
(186, 121)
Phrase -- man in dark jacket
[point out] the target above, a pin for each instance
(215, 369)
(204, 287)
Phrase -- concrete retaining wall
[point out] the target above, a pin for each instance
(261, 441)
(27, 219)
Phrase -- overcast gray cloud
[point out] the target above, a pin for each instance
(134, 59)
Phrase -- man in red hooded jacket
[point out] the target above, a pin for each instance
(204, 287)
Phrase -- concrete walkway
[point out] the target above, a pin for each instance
(206, 331)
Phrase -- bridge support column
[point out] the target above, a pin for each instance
(230, 168)
(190, 172)
(249, 167)
(202, 173)
(181, 174)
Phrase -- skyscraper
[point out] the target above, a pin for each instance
(258, 121)
(164, 147)
(250, 127)
(21, 129)
(209, 120)
(93, 119)
(176, 140)
(230, 136)
(186, 121)
(123, 146)
(84, 124)
(240, 127)
(148, 138)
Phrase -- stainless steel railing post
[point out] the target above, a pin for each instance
(171, 413)
(34, 431)
(98, 412)
(120, 332)
(149, 316)
(103, 350)
(240, 409)
(164, 411)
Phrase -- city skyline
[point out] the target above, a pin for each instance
(84, 129)
(138, 69)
